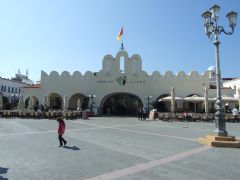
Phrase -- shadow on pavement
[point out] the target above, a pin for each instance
(3, 171)
(74, 148)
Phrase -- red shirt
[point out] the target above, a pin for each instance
(61, 127)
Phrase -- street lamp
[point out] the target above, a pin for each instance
(148, 99)
(212, 29)
(92, 96)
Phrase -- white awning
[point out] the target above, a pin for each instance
(168, 98)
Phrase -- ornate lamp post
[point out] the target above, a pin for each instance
(212, 29)
(92, 96)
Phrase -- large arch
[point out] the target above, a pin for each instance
(35, 103)
(56, 101)
(73, 101)
(120, 103)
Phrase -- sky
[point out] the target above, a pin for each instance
(75, 35)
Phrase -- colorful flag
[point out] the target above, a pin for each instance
(120, 34)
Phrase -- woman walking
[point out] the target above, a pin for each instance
(61, 130)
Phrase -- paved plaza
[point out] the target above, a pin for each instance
(114, 148)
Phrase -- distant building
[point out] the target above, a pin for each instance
(121, 86)
(22, 78)
(12, 88)
(233, 83)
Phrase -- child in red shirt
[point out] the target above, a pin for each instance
(61, 130)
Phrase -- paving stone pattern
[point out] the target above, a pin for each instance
(113, 148)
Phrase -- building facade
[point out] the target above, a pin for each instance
(118, 88)
(233, 84)
(10, 89)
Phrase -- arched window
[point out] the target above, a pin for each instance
(121, 61)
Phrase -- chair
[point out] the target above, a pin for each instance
(179, 116)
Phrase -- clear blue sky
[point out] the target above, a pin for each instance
(75, 35)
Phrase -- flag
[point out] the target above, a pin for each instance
(120, 34)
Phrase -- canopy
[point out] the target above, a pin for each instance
(30, 103)
(194, 98)
(168, 98)
(229, 99)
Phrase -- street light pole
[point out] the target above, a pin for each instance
(219, 115)
(212, 29)
(92, 96)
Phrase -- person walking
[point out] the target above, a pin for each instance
(61, 130)
(144, 112)
(139, 110)
(235, 114)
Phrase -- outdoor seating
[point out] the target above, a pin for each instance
(47, 115)
(179, 117)
(160, 116)
(195, 117)
(166, 117)
(204, 117)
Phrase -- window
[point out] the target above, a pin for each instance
(121, 61)
(9, 89)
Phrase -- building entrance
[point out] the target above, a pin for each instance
(121, 104)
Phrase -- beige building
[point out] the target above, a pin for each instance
(233, 84)
(120, 87)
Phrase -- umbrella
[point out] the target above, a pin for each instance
(21, 103)
(47, 103)
(64, 102)
(43, 100)
(194, 98)
(30, 103)
(229, 99)
(79, 104)
(206, 99)
(168, 98)
(1, 102)
(172, 99)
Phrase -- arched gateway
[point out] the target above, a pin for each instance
(120, 104)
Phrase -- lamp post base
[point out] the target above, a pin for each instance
(220, 141)
(221, 132)
(220, 123)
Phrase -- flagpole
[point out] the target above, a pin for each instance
(122, 43)
(120, 35)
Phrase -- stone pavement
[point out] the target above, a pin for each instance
(114, 148)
